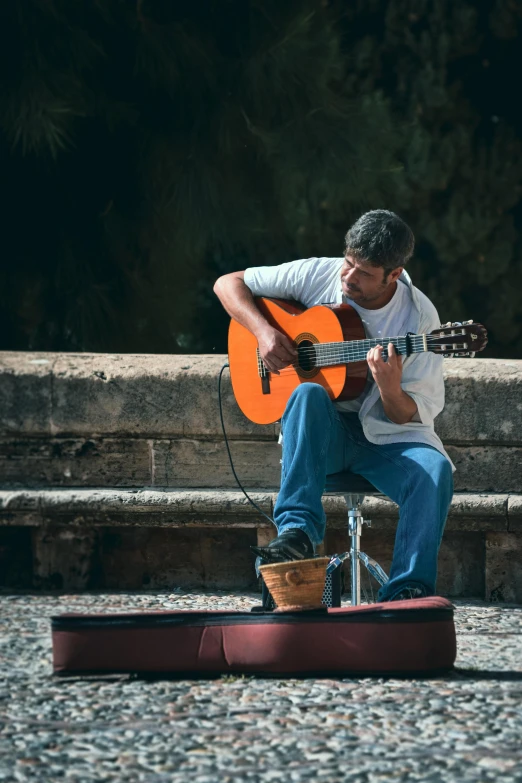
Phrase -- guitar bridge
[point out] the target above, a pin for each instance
(263, 374)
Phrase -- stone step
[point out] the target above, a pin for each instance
(226, 508)
(189, 462)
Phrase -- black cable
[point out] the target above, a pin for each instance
(228, 449)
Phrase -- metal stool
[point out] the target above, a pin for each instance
(354, 488)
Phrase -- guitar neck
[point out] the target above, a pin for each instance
(329, 354)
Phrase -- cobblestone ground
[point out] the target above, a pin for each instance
(463, 727)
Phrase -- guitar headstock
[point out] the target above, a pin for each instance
(458, 339)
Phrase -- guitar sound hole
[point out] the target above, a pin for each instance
(306, 353)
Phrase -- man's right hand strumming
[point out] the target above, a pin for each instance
(275, 348)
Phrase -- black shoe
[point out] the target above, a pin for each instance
(291, 544)
(409, 592)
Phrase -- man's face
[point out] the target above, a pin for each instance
(363, 283)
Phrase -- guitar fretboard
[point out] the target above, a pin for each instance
(327, 354)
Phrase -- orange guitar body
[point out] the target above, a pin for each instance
(264, 402)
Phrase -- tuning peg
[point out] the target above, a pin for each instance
(467, 323)
(456, 323)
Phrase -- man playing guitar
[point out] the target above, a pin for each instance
(386, 434)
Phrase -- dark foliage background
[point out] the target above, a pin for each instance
(147, 147)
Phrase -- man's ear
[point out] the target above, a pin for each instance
(395, 274)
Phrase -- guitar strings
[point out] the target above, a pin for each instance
(341, 353)
(343, 347)
(356, 354)
(325, 350)
(419, 341)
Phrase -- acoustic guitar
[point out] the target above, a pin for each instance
(332, 347)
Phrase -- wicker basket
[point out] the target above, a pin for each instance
(296, 584)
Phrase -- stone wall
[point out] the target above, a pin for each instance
(114, 474)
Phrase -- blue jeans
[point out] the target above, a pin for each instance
(318, 439)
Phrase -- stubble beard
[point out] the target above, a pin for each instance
(359, 298)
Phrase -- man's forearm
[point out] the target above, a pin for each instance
(237, 299)
(399, 406)
(275, 348)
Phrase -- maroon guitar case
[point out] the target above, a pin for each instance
(403, 637)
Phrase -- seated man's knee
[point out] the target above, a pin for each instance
(309, 400)
(309, 394)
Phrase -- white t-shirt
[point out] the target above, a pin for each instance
(384, 322)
